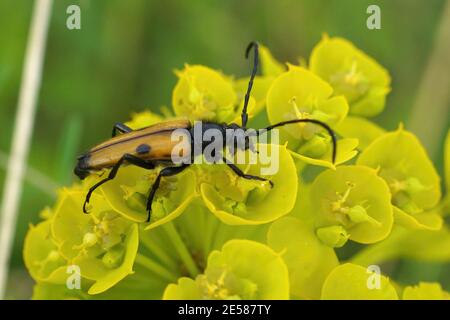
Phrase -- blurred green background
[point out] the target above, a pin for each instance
(122, 61)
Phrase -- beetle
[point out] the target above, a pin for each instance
(151, 146)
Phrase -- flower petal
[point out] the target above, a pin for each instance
(204, 94)
(239, 201)
(425, 291)
(231, 274)
(352, 73)
(341, 197)
(127, 194)
(308, 260)
(351, 282)
(111, 278)
(410, 174)
(356, 127)
(423, 221)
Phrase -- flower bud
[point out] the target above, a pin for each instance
(134, 200)
(413, 185)
(315, 147)
(113, 258)
(89, 239)
(333, 236)
(358, 214)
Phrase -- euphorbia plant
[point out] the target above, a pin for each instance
(213, 235)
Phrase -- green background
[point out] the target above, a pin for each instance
(122, 61)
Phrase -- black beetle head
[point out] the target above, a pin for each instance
(81, 170)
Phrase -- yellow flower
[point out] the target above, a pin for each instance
(353, 74)
(352, 282)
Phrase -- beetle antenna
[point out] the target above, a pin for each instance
(320, 123)
(255, 46)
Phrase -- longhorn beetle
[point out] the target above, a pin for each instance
(152, 146)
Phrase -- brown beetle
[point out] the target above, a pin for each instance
(152, 146)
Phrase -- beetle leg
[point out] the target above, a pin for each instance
(241, 174)
(166, 172)
(112, 174)
(122, 128)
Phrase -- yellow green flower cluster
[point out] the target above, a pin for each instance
(214, 235)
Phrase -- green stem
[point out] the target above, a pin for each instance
(211, 226)
(380, 252)
(181, 248)
(433, 90)
(143, 280)
(190, 222)
(159, 252)
(300, 165)
(155, 268)
(220, 236)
